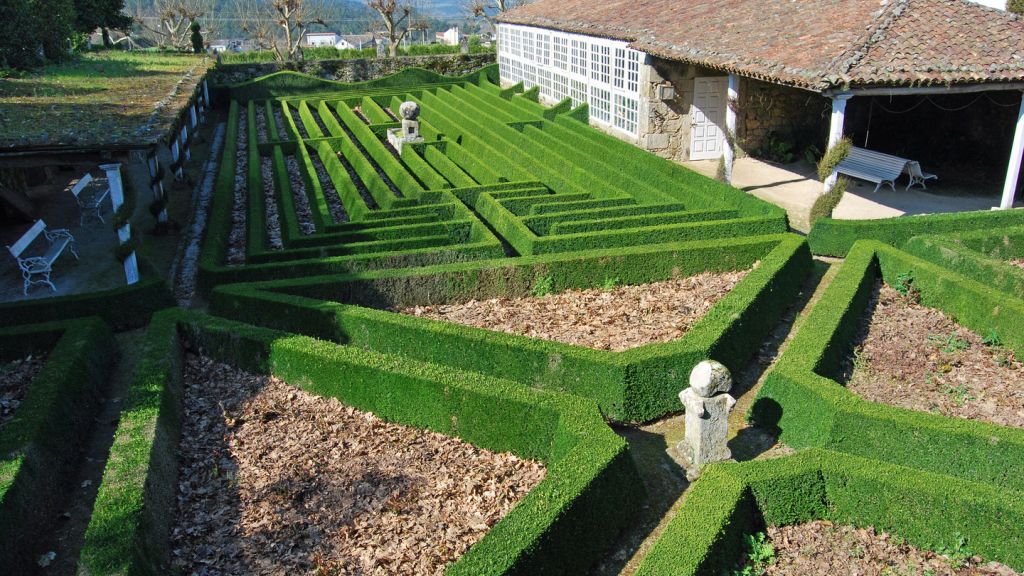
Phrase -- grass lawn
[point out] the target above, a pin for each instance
(100, 99)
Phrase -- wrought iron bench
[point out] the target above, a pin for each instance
(41, 265)
(89, 203)
(873, 166)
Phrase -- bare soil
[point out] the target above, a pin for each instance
(618, 319)
(15, 379)
(821, 548)
(274, 480)
(1018, 263)
(921, 359)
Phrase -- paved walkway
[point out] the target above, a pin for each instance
(795, 188)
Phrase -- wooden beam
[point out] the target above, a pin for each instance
(930, 90)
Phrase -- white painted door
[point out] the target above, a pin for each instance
(707, 131)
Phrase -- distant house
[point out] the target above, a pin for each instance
(314, 39)
(450, 37)
(356, 42)
(677, 78)
(1001, 4)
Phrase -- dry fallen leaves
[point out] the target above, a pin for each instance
(919, 358)
(274, 480)
(618, 319)
(15, 379)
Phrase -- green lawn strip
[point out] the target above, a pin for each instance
(40, 445)
(930, 510)
(801, 398)
(831, 237)
(635, 385)
(562, 526)
(979, 255)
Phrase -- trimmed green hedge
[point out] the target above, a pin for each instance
(560, 527)
(635, 385)
(835, 237)
(40, 445)
(978, 255)
(801, 398)
(930, 510)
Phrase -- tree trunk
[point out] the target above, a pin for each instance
(106, 38)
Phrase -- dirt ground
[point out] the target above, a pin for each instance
(615, 319)
(1019, 263)
(821, 548)
(15, 379)
(274, 480)
(919, 358)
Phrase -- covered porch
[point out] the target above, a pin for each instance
(795, 188)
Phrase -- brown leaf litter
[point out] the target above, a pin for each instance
(618, 319)
(15, 378)
(275, 480)
(821, 548)
(919, 358)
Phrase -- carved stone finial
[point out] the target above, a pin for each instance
(409, 110)
(707, 417)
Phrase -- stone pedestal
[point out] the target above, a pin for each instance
(707, 417)
(409, 133)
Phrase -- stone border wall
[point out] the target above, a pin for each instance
(353, 70)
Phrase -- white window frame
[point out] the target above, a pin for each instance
(603, 73)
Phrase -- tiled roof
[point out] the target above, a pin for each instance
(814, 44)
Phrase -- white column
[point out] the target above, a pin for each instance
(192, 114)
(206, 94)
(1016, 154)
(183, 137)
(731, 101)
(176, 156)
(157, 186)
(131, 263)
(835, 131)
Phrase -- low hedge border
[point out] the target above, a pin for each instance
(980, 256)
(801, 398)
(929, 510)
(560, 527)
(40, 445)
(830, 237)
(635, 385)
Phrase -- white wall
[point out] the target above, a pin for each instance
(1001, 4)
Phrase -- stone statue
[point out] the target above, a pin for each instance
(409, 110)
(409, 133)
(707, 407)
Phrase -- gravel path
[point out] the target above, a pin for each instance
(364, 192)
(261, 124)
(823, 549)
(617, 319)
(299, 124)
(274, 480)
(302, 209)
(319, 121)
(15, 379)
(915, 357)
(334, 204)
(273, 222)
(282, 127)
(236, 238)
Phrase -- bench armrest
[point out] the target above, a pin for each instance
(58, 234)
(34, 264)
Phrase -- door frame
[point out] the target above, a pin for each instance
(723, 82)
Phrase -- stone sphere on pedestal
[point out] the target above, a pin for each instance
(409, 110)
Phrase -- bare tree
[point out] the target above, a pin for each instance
(489, 9)
(397, 17)
(280, 25)
(168, 21)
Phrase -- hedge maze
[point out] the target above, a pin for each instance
(320, 232)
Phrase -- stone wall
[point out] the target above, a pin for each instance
(765, 111)
(353, 70)
(772, 112)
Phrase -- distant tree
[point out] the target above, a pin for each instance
(33, 32)
(197, 39)
(169, 22)
(280, 25)
(490, 9)
(397, 17)
(103, 14)
(1015, 6)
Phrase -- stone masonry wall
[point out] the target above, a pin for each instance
(353, 70)
(768, 111)
(667, 128)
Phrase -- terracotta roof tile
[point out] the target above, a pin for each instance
(808, 43)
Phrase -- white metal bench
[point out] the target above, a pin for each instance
(89, 203)
(882, 168)
(41, 265)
